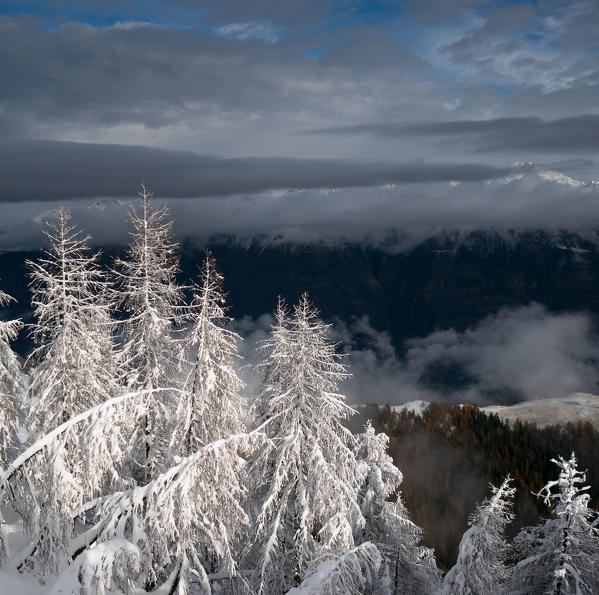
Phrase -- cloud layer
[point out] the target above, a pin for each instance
(213, 101)
(517, 354)
(78, 170)
(522, 134)
(396, 215)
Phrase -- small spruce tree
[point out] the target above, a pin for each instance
(481, 564)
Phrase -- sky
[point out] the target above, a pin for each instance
(307, 118)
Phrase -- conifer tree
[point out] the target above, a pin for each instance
(12, 386)
(210, 404)
(355, 572)
(178, 529)
(74, 368)
(50, 482)
(481, 564)
(305, 483)
(561, 556)
(150, 356)
(409, 567)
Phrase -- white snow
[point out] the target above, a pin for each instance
(559, 178)
(19, 585)
(574, 408)
(416, 407)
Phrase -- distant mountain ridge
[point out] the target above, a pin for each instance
(449, 281)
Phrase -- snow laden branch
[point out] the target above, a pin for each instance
(354, 572)
(50, 483)
(184, 524)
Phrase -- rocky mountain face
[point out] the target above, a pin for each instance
(448, 281)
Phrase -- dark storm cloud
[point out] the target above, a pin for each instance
(48, 170)
(576, 133)
(140, 73)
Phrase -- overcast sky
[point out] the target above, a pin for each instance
(325, 116)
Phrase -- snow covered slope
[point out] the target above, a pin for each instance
(544, 412)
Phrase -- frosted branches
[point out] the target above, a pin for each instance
(305, 483)
(185, 522)
(150, 355)
(73, 328)
(210, 405)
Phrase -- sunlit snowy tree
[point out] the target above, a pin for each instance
(561, 556)
(177, 530)
(409, 567)
(74, 368)
(355, 572)
(150, 355)
(49, 484)
(481, 564)
(12, 386)
(210, 405)
(305, 484)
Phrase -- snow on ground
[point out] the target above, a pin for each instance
(416, 407)
(573, 408)
(13, 584)
(544, 412)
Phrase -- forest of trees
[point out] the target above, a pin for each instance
(134, 462)
(453, 452)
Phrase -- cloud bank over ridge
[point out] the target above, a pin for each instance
(517, 354)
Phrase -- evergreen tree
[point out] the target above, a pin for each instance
(355, 572)
(176, 530)
(561, 556)
(150, 356)
(481, 564)
(12, 386)
(74, 368)
(305, 484)
(409, 567)
(210, 404)
(49, 484)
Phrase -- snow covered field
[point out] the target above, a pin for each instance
(544, 412)
(573, 408)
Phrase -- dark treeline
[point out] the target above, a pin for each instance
(449, 281)
(450, 454)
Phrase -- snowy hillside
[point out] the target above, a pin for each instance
(545, 412)
(574, 408)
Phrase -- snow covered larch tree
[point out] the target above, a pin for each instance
(176, 531)
(49, 483)
(210, 404)
(150, 355)
(409, 567)
(305, 486)
(12, 386)
(481, 564)
(355, 572)
(74, 368)
(561, 556)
